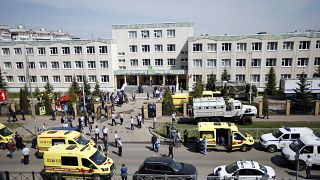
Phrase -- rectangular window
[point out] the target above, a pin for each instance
(56, 79)
(225, 62)
(271, 62)
(91, 64)
(212, 47)
(145, 48)
(41, 51)
(31, 65)
(171, 62)
(66, 65)
(196, 77)
(241, 62)
(256, 46)
(171, 33)
(272, 46)
(318, 44)
(134, 62)
(69, 161)
(122, 60)
(92, 78)
(44, 79)
(184, 52)
(145, 34)
(7, 65)
(133, 48)
(132, 34)
(9, 79)
(17, 51)
(19, 65)
(158, 62)
(287, 45)
(255, 62)
(146, 62)
(226, 47)
(158, 47)
(104, 78)
(79, 78)
(184, 60)
(29, 51)
(90, 50)
(79, 64)
(157, 33)
(104, 64)
(122, 67)
(171, 47)
(65, 50)
(121, 53)
(184, 67)
(255, 78)
(67, 79)
(197, 47)
(304, 45)
(240, 77)
(317, 61)
(21, 79)
(55, 65)
(103, 49)
(5, 51)
(33, 79)
(43, 65)
(286, 62)
(197, 63)
(299, 76)
(77, 50)
(302, 62)
(241, 46)
(53, 50)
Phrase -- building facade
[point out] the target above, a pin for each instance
(157, 54)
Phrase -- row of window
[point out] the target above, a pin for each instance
(255, 46)
(54, 50)
(157, 48)
(56, 79)
(171, 33)
(56, 65)
(285, 62)
(157, 62)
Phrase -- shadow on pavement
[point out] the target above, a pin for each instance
(278, 161)
(258, 147)
(150, 148)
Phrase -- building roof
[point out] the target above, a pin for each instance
(153, 25)
(58, 133)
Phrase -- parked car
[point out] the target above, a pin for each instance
(246, 170)
(159, 166)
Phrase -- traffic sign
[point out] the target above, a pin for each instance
(42, 110)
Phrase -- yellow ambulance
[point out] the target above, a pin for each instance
(6, 135)
(224, 135)
(72, 161)
(179, 99)
(50, 138)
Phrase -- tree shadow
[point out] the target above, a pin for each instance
(278, 161)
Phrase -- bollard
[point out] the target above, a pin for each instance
(7, 175)
(33, 175)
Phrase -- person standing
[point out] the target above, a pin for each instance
(105, 143)
(173, 117)
(93, 115)
(131, 123)
(11, 148)
(266, 112)
(116, 137)
(139, 120)
(113, 117)
(185, 136)
(22, 114)
(124, 172)
(105, 132)
(121, 118)
(170, 150)
(204, 143)
(96, 134)
(309, 167)
(157, 145)
(154, 122)
(119, 147)
(178, 139)
(153, 141)
(25, 153)
(197, 145)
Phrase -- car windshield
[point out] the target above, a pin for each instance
(82, 140)
(244, 134)
(277, 133)
(98, 158)
(264, 169)
(232, 168)
(296, 145)
(176, 165)
(5, 132)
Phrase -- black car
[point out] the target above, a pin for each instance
(157, 167)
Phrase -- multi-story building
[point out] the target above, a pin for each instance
(157, 54)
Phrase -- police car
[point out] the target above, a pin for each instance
(283, 137)
(245, 170)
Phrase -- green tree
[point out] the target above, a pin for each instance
(302, 99)
(211, 82)
(47, 103)
(271, 84)
(317, 73)
(97, 90)
(86, 85)
(197, 89)
(75, 85)
(3, 84)
(37, 93)
(265, 101)
(24, 101)
(167, 103)
(225, 76)
(48, 88)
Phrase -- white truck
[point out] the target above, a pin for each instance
(216, 109)
(287, 86)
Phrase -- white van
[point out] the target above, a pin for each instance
(283, 137)
(306, 145)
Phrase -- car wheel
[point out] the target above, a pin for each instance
(246, 120)
(3, 146)
(56, 176)
(244, 148)
(302, 165)
(272, 148)
(96, 177)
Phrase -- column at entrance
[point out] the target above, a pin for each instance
(177, 83)
(138, 77)
(150, 80)
(164, 80)
(125, 79)
(115, 82)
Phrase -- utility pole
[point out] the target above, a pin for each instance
(250, 77)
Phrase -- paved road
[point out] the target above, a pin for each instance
(134, 154)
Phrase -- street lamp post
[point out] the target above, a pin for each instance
(250, 78)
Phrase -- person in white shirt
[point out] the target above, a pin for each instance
(113, 117)
(116, 138)
(154, 122)
(119, 147)
(121, 118)
(105, 132)
(25, 153)
(131, 123)
(309, 167)
(96, 133)
(173, 116)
